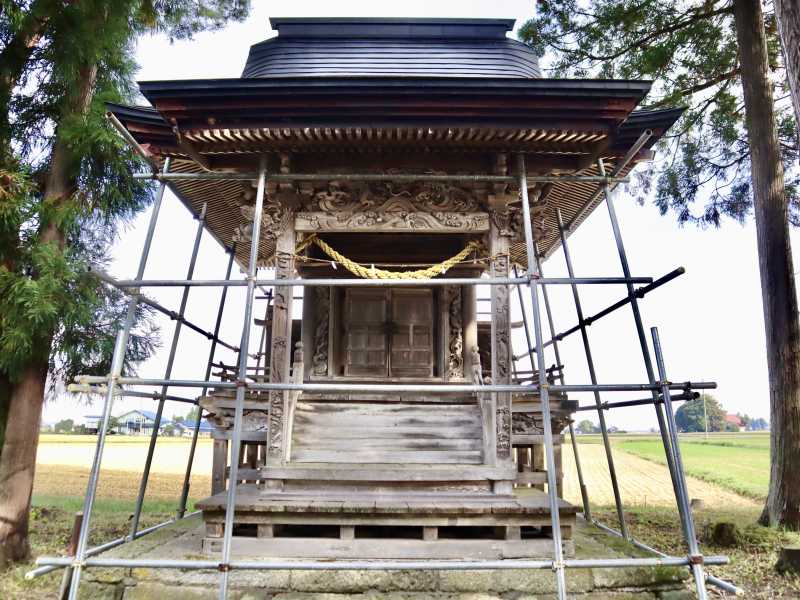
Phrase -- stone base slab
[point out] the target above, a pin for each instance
(183, 540)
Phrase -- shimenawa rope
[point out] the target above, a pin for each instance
(374, 273)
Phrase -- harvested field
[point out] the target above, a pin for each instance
(642, 482)
(59, 480)
(63, 467)
(124, 453)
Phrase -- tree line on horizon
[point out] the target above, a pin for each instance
(694, 416)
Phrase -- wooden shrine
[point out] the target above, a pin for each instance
(389, 474)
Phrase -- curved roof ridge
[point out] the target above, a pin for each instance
(391, 27)
(321, 54)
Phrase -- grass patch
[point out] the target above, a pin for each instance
(742, 468)
(752, 560)
(50, 528)
(114, 506)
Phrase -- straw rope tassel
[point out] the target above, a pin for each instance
(375, 273)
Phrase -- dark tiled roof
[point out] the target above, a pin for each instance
(391, 48)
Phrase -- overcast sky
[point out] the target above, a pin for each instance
(710, 319)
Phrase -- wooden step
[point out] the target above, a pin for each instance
(378, 433)
(388, 471)
(434, 457)
(315, 432)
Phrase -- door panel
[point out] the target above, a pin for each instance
(411, 348)
(388, 333)
(366, 343)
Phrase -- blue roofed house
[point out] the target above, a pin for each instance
(186, 428)
(139, 422)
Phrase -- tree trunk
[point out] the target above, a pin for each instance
(18, 462)
(5, 398)
(787, 13)
(779, 295)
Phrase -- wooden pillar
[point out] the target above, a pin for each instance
(219, 466)
(308, 325)
(469, 310)
(281, 352)
(499, 241)
(537, 461)
(559, 468)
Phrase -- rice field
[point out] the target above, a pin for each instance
(725, 470)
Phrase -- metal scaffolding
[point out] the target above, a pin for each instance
(658, 386)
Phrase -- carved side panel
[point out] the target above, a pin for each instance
(503, 430)
(501, 352)
(319, 365)
(499, 238)
(281, 336)
(455, 344)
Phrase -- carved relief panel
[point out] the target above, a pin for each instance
(388, 206)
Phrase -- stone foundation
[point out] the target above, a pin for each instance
(182, 540)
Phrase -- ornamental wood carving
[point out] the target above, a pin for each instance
(252, 420)
(388, 206)
(455, 354)
(533, 423)
(281, 334)
(501, 349)
(358, 196)
(276, 398)
(501, 318)
(319, 362)
(503, 431)
(275, 217)
(510, 224)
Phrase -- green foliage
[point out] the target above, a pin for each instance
(183, 18)
(586, 426)
(691, 418)
(50, 307)
(193, 415)
(690, 51)
(64, 426)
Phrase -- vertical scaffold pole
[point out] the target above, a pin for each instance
(587, 509)
(176, 334)
(190, 461)
(587, 350)
(525, 323)
(117, 361)
(683, 501)
(241, 382)
(637, 318)
(544, 395)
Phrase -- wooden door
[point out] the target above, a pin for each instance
(388, 333)
(366, 340)
(411, 341)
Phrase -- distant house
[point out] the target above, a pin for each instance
(734, 421)
(186, 428)
(91, 423)
(139, 422)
